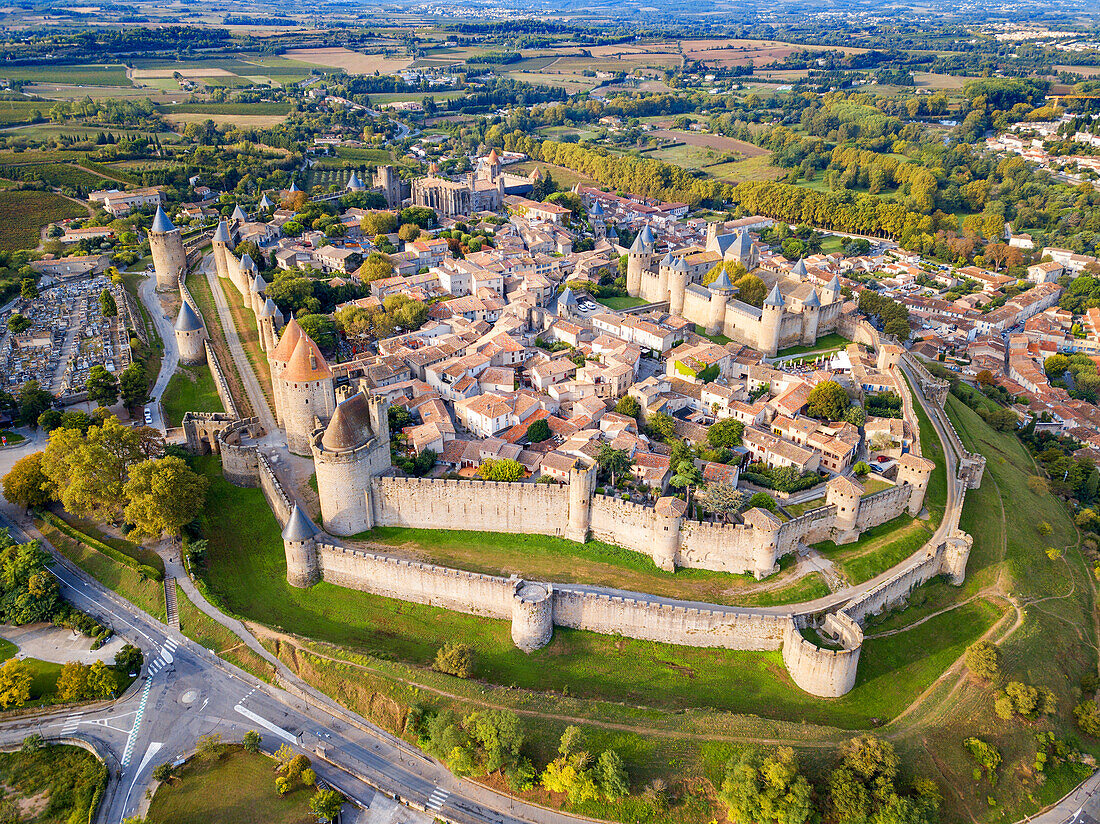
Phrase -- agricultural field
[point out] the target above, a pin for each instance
(104, 75)
(243, 121)
(23, 214)
(756, 168)
(567, 178)
(57, 175)
(352, 62)
(717, 142)
(688, 157)
(21, 111)
(726, 53)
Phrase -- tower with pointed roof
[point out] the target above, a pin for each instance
(721, 290)
(220, 243)
(303, 569)
(677, 286)
(308, 393)
(348, 455)
(277, 359)
(637, 261)
(190, 335)
(831, 293)
(771, 319)
(811, 317)
(166, 249)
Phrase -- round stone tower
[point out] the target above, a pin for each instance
(277, 358)
(190, 335)
(720, 293)
(677, 286)
(916, 472)
(582, 483)
(166, 247)
(308, 393)
(637, 262)
(348, 454)
(765, 544)
(844, 493)
(532, 615)
(666, 536)
(220, 242)
(771, 317)
(811, 317)
(303, 569)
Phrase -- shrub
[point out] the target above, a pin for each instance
(1088, 717)
(66, 529)
(455, 658)
(984, 660)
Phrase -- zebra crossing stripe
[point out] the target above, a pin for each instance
(439, 797)
(132, 739)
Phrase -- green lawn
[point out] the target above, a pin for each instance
(12, 437)
(721, 340)
(191, 389)
(806, 588)
(102, 75)
(141, 554)
(871, 485)
(237, 788)
(63, 781)
(881, 557)
(831, 342)
(794, 510)
(935, 497)
(621, 302)
(547, 558)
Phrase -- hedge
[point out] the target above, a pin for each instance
(805, 482)
(67, 529)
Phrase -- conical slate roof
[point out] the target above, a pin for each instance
(187, 320)
(596, 210)
(247, 263)
(307, 363)
(774, 297)
(265, 310)
(221, 234)
(238, 214)
(667, 260)
(638, 247)
(567, 298)
(294, 187)
(285, 347)
(722, 282)
(647, 236)
(799, 269)
(266, 202)
(350, 424)
(259, 285)
(299, 527)
(680, 265)
(611, 233)
(270, 309)
(834, 284)
(354, 183)
(813, 300)
(161, 223)
(493, 157)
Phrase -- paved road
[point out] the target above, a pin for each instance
(170, 360)
(236, 350)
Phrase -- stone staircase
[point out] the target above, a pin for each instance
(170, 604)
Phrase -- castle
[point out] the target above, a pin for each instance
(482, 190)
(794, 312)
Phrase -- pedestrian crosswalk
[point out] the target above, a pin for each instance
(165, 657)
(71, 723)
(438, 799)
(132, 739)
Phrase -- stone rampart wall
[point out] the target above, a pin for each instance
(220, 382)
(883, 506)
(277, 498)
(897, 588)
(478, 505)
(808, 528)
(421, 583)
(826, 672)
(725, 547)
(625, 524)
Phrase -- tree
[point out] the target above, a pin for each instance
(326, 805)
(1086, 713)
(722, 498)
(862, 468)
(282, 784)
(210, 746)
(72, 683)
(376, 267)
(983, 659)
(321, 328)
(498, 735)
(129, 659)
(661, 425)
(163, 494)
(827, 401)
(15, 683)
(308, 777)
(855, 416)
(762, 500)
(107, 306)
(102, 386)
(18, 324)
(759, 788)
(163, 772)
(32, 743)
(611, 775)
(687, 478)
(613, 461)
(26, 484)
(538, 431)
(628, 405)
(33, 401)
(101, 680)
(294, 767)
(251, 742)
(408, 232)
(378, 223)
(28, 289)
(725, 433)
(573, 740)
(455, 658)
(133, 385)
(502, 469)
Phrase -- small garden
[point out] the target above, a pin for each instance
(781, 478)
